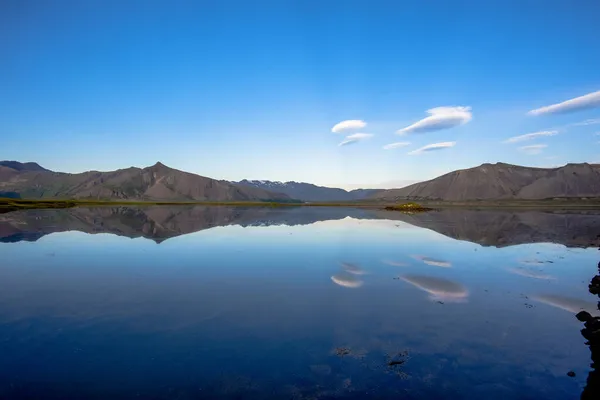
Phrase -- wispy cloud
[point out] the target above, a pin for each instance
(592, 121)
(439, 118)
(590, 100)
(433, 147)
(348, 125)
(533, 149)
(354, 138)
(530, 136)
(395, 145)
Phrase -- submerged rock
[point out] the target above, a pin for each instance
(592, 333)
(583, 316)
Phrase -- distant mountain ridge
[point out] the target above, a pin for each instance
(502, 181)
(155, 183)
(19, 166)
(309, 192)
(498, 181)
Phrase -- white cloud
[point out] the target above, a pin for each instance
(348, 125)
(440, 118)
(529, 136)
(591, 121)
(432, 147)
(590, 100)
(356, 137)
(533, 149)
(395, 145)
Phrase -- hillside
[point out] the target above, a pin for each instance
(21, 167)
(157, 182)
(309, 192)
(503, 181)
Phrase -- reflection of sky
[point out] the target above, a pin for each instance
(433, 262)
(347, 280)
(250, 290)
(570, 304)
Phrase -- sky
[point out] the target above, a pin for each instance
(339, 93)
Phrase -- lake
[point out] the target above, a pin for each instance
(294, 303)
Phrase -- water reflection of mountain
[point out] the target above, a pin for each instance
(485, 227)
(506, 228)
(157, 223)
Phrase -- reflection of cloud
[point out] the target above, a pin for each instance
(394, 263)
(568, 303)
(533, 149)
(432, 147)
(590, 100)
(531, 262)
(353, 268)
(530, 136)
(348, 125)
(439, 118)
(356, 137)
(433, 261)
(347, 280)
(395, 145)
(439, 288)
(530, 274)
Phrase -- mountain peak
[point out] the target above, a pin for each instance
(159, 165)
(19, 166)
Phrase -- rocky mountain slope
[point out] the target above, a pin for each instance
(157, 182)
(309, 192)
(503, 181)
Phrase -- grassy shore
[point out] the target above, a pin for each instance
(11, 204)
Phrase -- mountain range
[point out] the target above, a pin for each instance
(158, 182)
(309, 192)
(498, 181)
(502, 181)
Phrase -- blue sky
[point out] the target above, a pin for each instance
(252, 89)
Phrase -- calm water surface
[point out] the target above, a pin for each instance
(190, 303)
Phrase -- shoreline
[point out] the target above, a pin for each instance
(11, 204)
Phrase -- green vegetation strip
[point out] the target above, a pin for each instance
(18, 204)
(408, 207)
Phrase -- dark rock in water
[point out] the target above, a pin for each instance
(396, 362)
(571, 374)
(593, 324)
(398, 359)
(341, 351)
(591, 332)
(583, 316)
